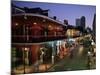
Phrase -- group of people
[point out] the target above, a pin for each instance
(91, 58)
(67, 50)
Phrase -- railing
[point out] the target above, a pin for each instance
(40, 38)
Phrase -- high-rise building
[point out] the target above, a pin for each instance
(94, 28)
(83, 21)
(94, 24)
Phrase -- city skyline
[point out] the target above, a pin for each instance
(63, 11)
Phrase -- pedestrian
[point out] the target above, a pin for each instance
(94, 58)
(71, 51)
(36, 65)
(89, 62)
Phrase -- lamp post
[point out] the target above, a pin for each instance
(53, 53)
(24, 59)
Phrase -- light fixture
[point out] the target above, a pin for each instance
(26, 49)
(16, 24)
(34, 23)
(44, 20)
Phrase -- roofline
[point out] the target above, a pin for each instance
(38, 15)
(19, 9)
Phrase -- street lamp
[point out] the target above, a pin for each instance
(53, 52)
(16, 24)
(25, 57)
(92, 43)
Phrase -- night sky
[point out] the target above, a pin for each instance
(64, 11)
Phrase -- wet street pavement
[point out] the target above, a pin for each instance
(77, 62)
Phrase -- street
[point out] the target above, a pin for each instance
(77, 58)
(78, 62)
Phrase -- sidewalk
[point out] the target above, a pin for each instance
(31, 69)
(77, 62)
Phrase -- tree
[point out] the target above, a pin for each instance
(66, 22)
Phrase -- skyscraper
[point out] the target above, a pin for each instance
(94, 25)
(83, 21)
(94, 28)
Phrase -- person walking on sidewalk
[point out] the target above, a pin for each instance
(71, 51)
(36, 65)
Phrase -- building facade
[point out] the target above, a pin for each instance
(38, 39)
(83, 22)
